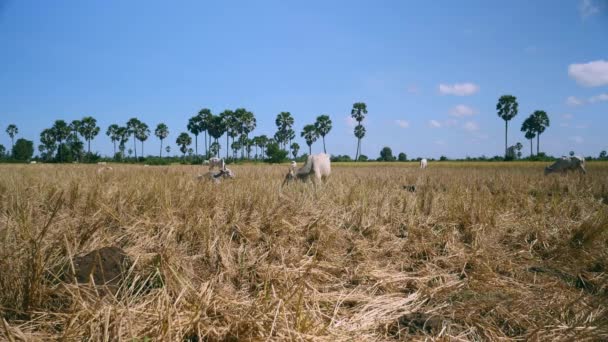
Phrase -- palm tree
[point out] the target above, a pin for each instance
(229, 124)
(507, 110)
(194, 127)
(323, 126)
(205, 119)
(142, 134)
(262, 142)
(49, 145)
(168, 149)
(528, 128)
(216, 129)
(123, 137)
(214, 148)
(61, 131)
(12, 131)
(161, 132)
(132, 127)
(358, 113)
(284, 122)
(541, 122)
(183, 140)
(309, 133)
(248, 124)
(89, 130)
(359, 134)
(294, 150)
(112, 132)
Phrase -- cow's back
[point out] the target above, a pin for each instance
(321, 165)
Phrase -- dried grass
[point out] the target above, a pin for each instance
(482, 252)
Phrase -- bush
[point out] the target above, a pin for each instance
(402, 157)
(386, 154)
(341, 158)
(275, 154)
(158, 161)
(363, 157)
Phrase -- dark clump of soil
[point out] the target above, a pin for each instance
(106, 266)
(414, 323)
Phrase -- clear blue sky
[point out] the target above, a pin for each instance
(163, 61)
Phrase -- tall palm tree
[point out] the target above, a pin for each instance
(47, 139)
(61, 131)
(323, 126)
(161, 132)
(359, 134)
(183, 140)
(112, 132)
(123, 137)
(358, 113)
(248, 124)
(309, 133)
(262, 141)
(132, 127)
(89, 130)
(12, 131)
(229, 124)
(528, 128)
(216, 130)
(284, 122)
(205, 119)
(194, 127)
(507, 110)
(541, 122)
(142, 134)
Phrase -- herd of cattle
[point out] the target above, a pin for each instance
(318, 168)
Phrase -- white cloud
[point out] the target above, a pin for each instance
(567, 116)
(592, 74)
(599, 98)
(434, 123)
(587, 8)
(471, 126)
(461, 110)
(459, 89)
(577, 139)
(574, 101)
(402, 123)
(351, 122)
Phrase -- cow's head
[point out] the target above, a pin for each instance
(226, 173)
(291, 175)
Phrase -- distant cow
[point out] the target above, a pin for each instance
(33, 162)
(317, 167)
(423, 163)
(216, 177)
(104, 169)
(101, 163)
(216, 162)
(567, 164)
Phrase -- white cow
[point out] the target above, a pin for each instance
(317, 167)
(423, 163)
(216, 162)
(101, 163)
(104, 169)
(33, 162)
(566, 164)
(216, 177)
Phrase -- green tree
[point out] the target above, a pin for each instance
(142, 134)
(48, 144)
(275, 153)
(183, 141)
(248, 124)
(386, 154)
(194, 127)
(262, 142)
(402, 157)
(603, 154)
(358, 113)
(61, 131)
(133, 127)
(214, 148)
(284, 123)
(2, 151)
(12, 131)
(168, 149)
(89, 130)
(23, 150)
(507, 110)
(359, 134)
(309, 133)
(229, 123)
(541, 122)
(161, 132)
(295, 148)
(518, 147)
(123, 137)
(216, 130)
(323, 127)
(112, 132)
(205, 117)
(528, 127)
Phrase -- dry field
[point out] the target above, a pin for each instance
(478, 252)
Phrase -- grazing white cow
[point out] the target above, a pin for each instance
(101, 163)
(423, 163)
(317, 167)
(104, 169)
(566, 164)
(216, 177)
(216, 162)
(33, 162)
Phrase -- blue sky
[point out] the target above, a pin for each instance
(430, 71)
